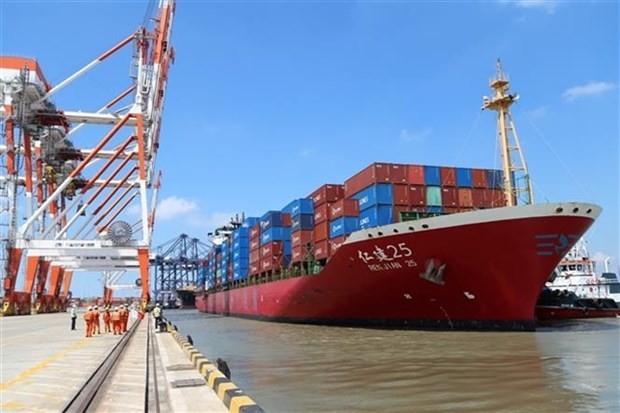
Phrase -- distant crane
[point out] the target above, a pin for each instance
(177, 266)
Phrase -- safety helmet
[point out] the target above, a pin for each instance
(96, 307)
(115, 308)
(90, 308)
(157, 305)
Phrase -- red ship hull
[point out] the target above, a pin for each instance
(495, 263)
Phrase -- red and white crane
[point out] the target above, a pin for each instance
(67, 208)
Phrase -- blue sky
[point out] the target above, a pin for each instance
(267, 100)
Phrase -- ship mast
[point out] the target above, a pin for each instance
(517, 185)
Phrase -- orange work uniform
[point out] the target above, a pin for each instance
(116, 322)
(88, 317)
(106, 320)
(96, 325)
(124, 318)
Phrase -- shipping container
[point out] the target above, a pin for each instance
(415, 174)
(301, 237)
(433, 196)
(448, 176)
(343, 226)
(321, 231)
(241, 233)
(327, 193)
(498, 198)
(376, 216)
(241, 254)
(321, 250)
(255, 232)
(254, 256)
(344, 208)
(274, 262)
(297, 254)
(249, 222)
(275, 234)
(463, 178)
(377, 194)
(240, 274)
(479, 178)
(401, 194)
(450, 210)
(276, 248)
(302, 221)
(274, 219)
(398, 209)
(449, 197)
(417, 195)
(465, 197)
(495, 179)
(432, 175)
(478, 197)
(255, 244)
(299, 206)
(372, 174)
(399, 173)
(254, 268)
(434, 209)
(321, 213)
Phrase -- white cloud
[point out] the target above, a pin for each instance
(417, 136)
(547, 5)
(173, 206)
(589, 89)
(538, 113)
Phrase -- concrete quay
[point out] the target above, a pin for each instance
(44, 365)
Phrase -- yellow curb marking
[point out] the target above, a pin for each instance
(237, 403)
(36, 368)
(221, 390)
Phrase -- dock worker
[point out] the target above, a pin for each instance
(123, 318)
(116, 318)
(88, 317)
(157, 314)
(73, 316)
(96, 324)
(107, 319)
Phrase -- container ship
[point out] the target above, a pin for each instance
(401, 246)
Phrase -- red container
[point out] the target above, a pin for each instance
(448, 176)
(399, 173)
(301, 237)
(297, 254)
(478, 197)
(321, 213)
(321, 250)
(374, 173)
(479, 178)
(255, 244)
(335, 243)
(286, 219)
(254, 268)
(417, 195)
(465, 198)
(255, 232)
(415, 174)
(449, 197)
(450, 210)
(254, 256)
(401, 194)
(327, 193)
(321, 231)
(344, 208)
(498, 198)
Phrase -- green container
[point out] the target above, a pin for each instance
(433, 196)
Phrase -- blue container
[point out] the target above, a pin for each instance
(463, 178)
(434, 209)
(343, 226)
(240, 244)
(249, 222)
(241, 262)
(377, 194)
(376, 216)
(240, 274)
(241, 254)
(495, 178)
(241, 233)
(303, 221)
(271, 219)
(275, 234)
(300, 206)
(432, 175)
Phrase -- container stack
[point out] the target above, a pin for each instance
(254, 250)
(275, 240)
(323, 198)
(344, 215)
(226, 265)
(302, 226)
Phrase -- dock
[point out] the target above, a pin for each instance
(47, 367)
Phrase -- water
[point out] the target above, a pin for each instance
(572, 367)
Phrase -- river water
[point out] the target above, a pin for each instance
(568, 367)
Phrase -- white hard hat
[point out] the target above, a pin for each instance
(74, 306)
(90, 307)
(157, 304)
(96, 307)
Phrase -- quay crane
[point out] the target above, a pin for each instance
(67, 205)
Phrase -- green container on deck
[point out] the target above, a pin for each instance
(433, 196)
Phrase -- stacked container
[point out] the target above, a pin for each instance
(323, 198)
(302, 226)
(240, 253)
(275, 240)
(254, 250)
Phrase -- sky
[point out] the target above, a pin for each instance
(268, 100)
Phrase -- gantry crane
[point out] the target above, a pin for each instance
(68, 199)
(177, 266)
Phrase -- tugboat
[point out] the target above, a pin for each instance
(575, 290)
